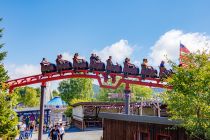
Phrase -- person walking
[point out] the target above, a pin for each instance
(32, 126)
(22, 130)
(62, 131)
(55, 133)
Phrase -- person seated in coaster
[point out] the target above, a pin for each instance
(45, 62)
(92, 58)
(127, 61)
(76, 58)
(98, 60)
(60, 59)
(145, 64)
(162, 65)
(109, 61)
(163, 68)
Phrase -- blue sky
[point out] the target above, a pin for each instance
(45, 28)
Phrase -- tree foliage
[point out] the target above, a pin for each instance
(138, 92)
(141, 92)
(28, 96)
(8, 118)
(189, 100)
(3, 72)
(76, 89)
(55, 93)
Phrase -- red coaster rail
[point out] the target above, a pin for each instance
(137, 80)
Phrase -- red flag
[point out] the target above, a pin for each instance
(182, 56)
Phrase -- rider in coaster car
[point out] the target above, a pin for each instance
(162, 65)
(76, 55)
(109, 61)
(163, 68)
(145, 64)
(130, 65)
(60, 60)
(98, 60)
(45, 62)
(92, 58)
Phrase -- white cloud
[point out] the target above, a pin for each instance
(67, 56)
(119, 51)
(24, 70)
(168, 45)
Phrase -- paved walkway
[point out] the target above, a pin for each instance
(74, 134)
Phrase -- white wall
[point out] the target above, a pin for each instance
(78, 113)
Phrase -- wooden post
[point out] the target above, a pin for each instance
(127, 99)
(41, 117)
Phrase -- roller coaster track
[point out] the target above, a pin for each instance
(43, 78)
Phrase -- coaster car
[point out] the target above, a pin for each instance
(80, 64)
(130, 70)
(96, 65)
(110, 68)
(164, 73)
(64, 66)
(148, 72)
(48, 68)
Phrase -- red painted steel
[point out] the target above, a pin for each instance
(137, 80)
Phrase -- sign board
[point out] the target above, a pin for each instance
(117, 95)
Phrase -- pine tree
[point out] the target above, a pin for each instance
(8, 118)
(3, 72)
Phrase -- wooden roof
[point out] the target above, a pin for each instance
(137, 118)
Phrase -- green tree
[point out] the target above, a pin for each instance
(189, 100)
(8, 118)
(138, 92)
(76, 89)
(28, 96)
(55, 93)
(3, 72)
(38, 91)
(141, 92)
(103, 94)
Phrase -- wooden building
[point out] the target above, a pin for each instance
(85, 114)
(134, 127)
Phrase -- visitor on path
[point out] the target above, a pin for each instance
(55, 133)
(22, 130)
(49, 132)
(32, 126)
(62, 131)
(27, 120)
(27, 133)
